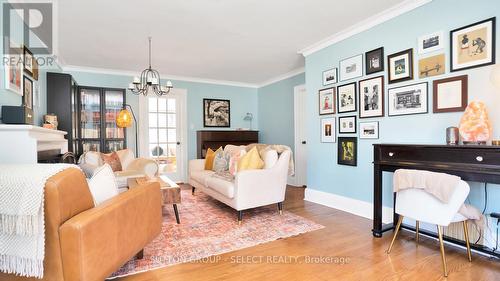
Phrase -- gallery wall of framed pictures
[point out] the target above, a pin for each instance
(354, 90)
(21, 75)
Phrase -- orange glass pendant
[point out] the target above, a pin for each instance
(124, 119)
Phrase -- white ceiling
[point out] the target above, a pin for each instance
(247, 41)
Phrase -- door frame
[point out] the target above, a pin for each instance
(182, 163)
(300, 176)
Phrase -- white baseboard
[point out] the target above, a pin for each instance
(346, 204)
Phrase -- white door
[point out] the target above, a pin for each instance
(300, 100)
(163, 132)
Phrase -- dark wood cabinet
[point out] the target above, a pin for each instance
(215, 139)
(62, 100)
(87, 113)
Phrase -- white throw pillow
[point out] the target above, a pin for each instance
(92, 158)
(270, 157)
(126, 157)
(102, 185)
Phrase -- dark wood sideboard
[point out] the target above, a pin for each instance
(214, 139)
(479, 163)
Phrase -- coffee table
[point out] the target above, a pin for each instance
(170, 191)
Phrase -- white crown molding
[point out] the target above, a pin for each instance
(364, 25)
(282, 77)
(76, 68)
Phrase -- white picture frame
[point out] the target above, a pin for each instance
(430, 42)
(347, 125)
(328, 130)
(369, 130)
(408, 100)
(351, 68)
(330, 76)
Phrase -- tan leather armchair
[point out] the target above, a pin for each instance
(87, 243)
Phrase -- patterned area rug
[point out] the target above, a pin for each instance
(209, 228)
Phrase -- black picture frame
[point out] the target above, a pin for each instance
(27, 92)
(373, 54)
(409, 53)
(28, 61)
(339, 98)
(346, 155)
(207, 103)
(453, 68)
(355, 125)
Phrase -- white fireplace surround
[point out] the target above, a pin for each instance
(20, 144)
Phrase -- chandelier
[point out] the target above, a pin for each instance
(149, 81)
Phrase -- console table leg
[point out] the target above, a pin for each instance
(377, 201)
(176, 214)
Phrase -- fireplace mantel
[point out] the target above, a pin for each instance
(21, 144)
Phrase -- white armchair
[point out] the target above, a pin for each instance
(131, 167)
(250, 188)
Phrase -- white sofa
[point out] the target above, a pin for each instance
(131, 167)
(250, 188)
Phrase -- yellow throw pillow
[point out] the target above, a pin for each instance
(209, 158)
(251, 161)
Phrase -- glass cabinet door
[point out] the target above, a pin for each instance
(113, 104)
(90, 114)
(91, 145)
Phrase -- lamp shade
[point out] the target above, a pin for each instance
(124, 119)
(475, 126)
(495, 76)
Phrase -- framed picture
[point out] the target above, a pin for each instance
(28, 92)
(450, 94)
(431, 66)
(346, 98)
(14, 73)
(328, 130)
(326, 101)
(400, 66)
(351, 68)
(36, 93)
(406, 100)
(374, 61)
(330, 76)
(473, 45)
(371, 97)
(430, 42)
(28, 61)
(368, 130)
(35, 69)
(348, 151)
(216, 113)
(347, 125)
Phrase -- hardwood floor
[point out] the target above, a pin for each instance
(348, 251)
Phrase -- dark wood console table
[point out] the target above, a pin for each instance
(471, 163)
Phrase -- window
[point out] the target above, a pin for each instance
(163, 132)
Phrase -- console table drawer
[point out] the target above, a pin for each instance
(462, 154)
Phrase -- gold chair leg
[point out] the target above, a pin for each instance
(466, 236)
(441, 245)
(417, 226)
(395, 234)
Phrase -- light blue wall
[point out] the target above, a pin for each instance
(395, 35)
(276, 111)
(9, 98)
(242, 99)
